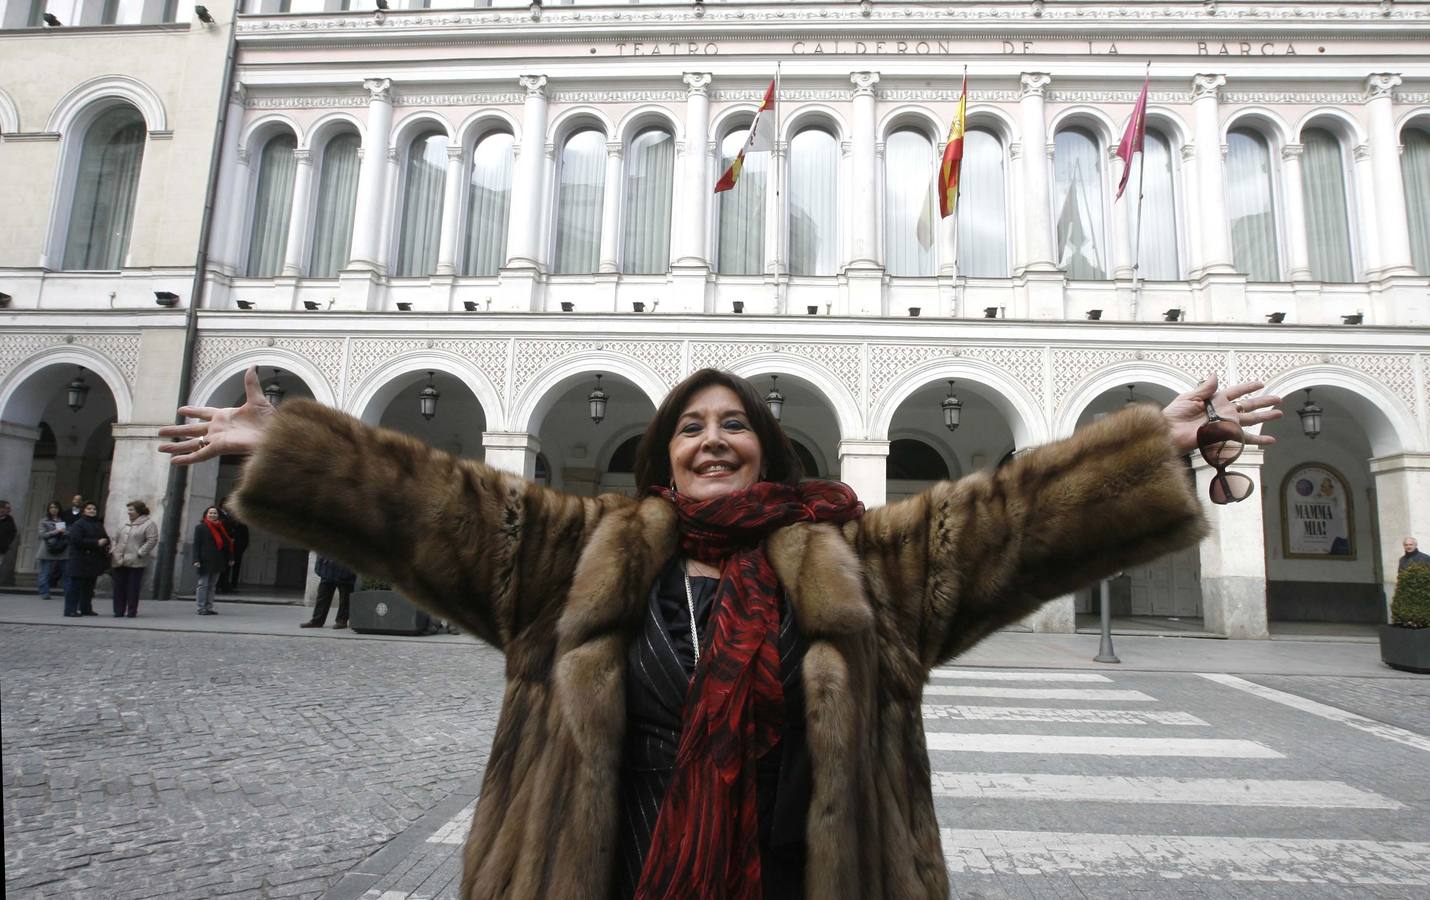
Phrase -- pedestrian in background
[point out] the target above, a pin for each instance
(1413, 556)
(51, 559)
(76, 510)
(88, 558)
(133, 547)
(332, 576)
(228, 581)
(213, 553)
(7, 540)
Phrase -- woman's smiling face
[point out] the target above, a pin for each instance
(714, 451)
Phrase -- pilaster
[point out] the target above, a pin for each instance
(1233, 558)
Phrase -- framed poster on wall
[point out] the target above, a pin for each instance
(1317, 520)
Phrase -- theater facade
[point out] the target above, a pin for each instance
(462, 222)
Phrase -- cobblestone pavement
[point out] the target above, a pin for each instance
(151, 764)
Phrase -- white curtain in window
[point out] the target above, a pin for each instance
(1323, 181)
(813, 203)
(337, 201)
(422, 188)
(1078, 204)
(908, 173)
(488, 204)
(1249, 205)
(578, 203)
(1415, 168)
(741, 248)
(105, 186)
(272, 202)
(1156, 248)
(650, 175)
(982, 207)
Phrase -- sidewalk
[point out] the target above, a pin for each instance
(1286, 655)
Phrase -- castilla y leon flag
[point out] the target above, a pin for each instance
(761, 139)
(1132, 137)
(952, 165)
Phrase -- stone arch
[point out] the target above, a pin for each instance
(1417, 117)
(376, 390)
(911, 116)
(9, 114)
(329, 126)
(833, 392)
(992, 119)
(816, 116)
(732, 118)
(80, 101)
(1011, 398)
(262, 129)
(614, 443)
(414, 124)
(205, 390)
(569, 121)
(23, 397)
(1115, 377)
(1094, 120)
(941, 447)
(480, 123)
(1388, 423)
(1170, 124)
(1337, 121)
(649, 116)
(1271, 125)
(537, 396)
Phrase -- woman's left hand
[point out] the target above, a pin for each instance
(1188, 412)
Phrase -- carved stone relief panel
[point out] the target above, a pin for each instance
(532, 356)
(120, 349)
(1072, 367)
(369, 354)
(1395, 371)
(326, 354)
(888, 361)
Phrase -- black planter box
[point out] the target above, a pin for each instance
(386, 612)
(1407, 649)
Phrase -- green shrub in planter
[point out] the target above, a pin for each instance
(1411, 606)
(373, 583)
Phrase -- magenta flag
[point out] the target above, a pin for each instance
(1132, 137)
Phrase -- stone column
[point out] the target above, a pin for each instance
(1293, 192)
(390, 220)
(775, 263)
(1402, 481)
(524, 228)
(232, 187)
(1189, 198)
(863, 465)
(17, 454)
(451, 212)
(864, 188)
(1037, 204)
(512, 451)
(138, 471)
(1233, 556)
(696, 183)
(1211, 191)
(611, 207)
(372, 176)
(1124, 239)
(298, 213)
(1391, 219)
(1369, 213)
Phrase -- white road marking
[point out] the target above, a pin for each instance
(455, 831)
(997, 675)
(1176, 857)
(1159, 789)
(1370, 726)
(1099, 745)
(940, 711)
(1086, 694)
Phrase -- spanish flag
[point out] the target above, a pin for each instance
(761, 139)
(952, 165)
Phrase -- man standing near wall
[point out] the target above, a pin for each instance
(1413, 556)
(7, 541)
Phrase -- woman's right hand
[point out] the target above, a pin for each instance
(220, 431)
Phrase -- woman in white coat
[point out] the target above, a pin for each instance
(133, 548)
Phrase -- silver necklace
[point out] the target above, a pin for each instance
(690, 605)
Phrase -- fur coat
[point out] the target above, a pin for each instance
(559, 584)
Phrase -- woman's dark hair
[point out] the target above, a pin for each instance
(140, 507)
(206, 511)
(653, 455)
(59, 510)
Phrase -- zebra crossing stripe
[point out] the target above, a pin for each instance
(1084, 694)
(996, 675)
(455, 831)
(945, 712)
(1188, 858)
(1099, 745)
(1159, 789)
(1370, 726)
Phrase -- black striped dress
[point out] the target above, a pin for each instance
(660, 666)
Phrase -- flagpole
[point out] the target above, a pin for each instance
(959, 282)
(1141, 185)
(777, 178)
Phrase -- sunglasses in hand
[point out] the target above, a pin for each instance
(1221, 442)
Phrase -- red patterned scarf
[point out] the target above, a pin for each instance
(706, 839)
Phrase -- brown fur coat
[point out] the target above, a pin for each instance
(559, 584)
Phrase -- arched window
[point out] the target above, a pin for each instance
(741, 242)
(1415, 166)
(105, 185)
(650, 172)
(272, 202)
(488, 204)
(908, 168)
(424, 180)
(808, 467)
(1323, 184)
(1250, 205)
(1156, 247)
(337, 201)
(982, 207)
(913, 460)
(578, 203)
(814, 203)
(1077, 172)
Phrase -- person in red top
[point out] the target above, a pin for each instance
(213, 554)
